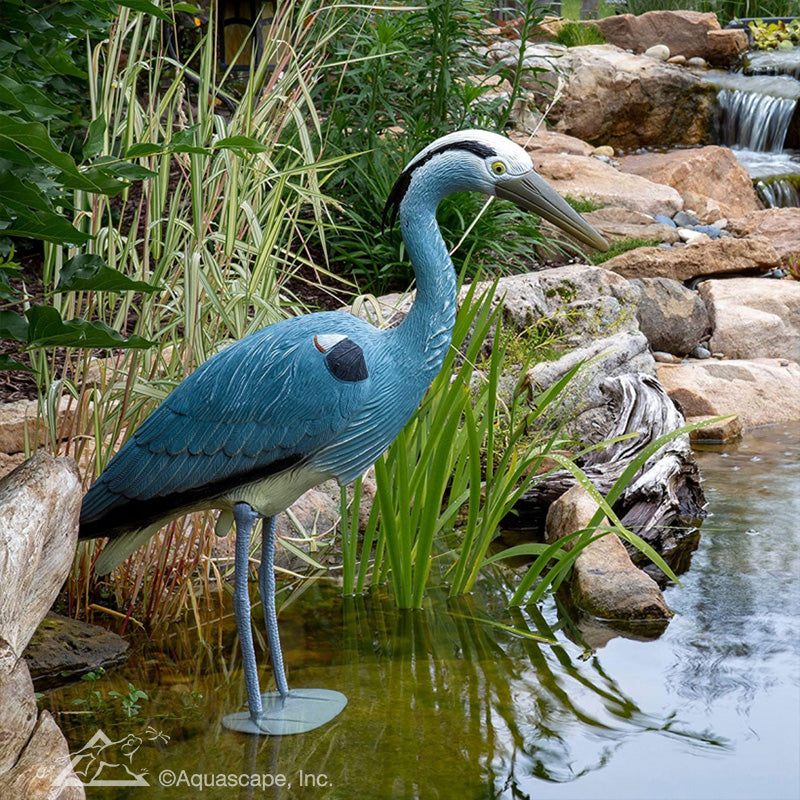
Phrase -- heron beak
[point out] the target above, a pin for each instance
(532, 193)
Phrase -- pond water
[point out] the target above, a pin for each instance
(444, 706)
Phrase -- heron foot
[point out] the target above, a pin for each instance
(299, 711)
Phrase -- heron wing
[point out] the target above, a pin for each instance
(261, 405)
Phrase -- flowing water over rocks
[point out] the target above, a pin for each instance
(756, 117)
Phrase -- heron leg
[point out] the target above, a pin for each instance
(266, 586)
(245, 518)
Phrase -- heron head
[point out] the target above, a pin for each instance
(475, 160)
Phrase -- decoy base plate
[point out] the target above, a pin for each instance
(300, 711)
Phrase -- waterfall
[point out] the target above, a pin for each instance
(779, 191)
(755, 112)
(753, 121)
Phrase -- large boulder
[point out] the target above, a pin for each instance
(710, 179)
(685, 33)
(753, 317)
(780, 225)
(596, 180)
(760, 391)
(609, 96)
(673, 318)
(752, 256)
(39, 508)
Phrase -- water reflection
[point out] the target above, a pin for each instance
(442, 706)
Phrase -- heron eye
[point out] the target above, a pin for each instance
(499, 168)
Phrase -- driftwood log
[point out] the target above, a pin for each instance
(664, 502)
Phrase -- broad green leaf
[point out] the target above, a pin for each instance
(94, 138)
(247, 143)
(144, 149)
(91, 273)
(47, 329)
(33, 136)
(124, 169)
(146, 7)
(13, 326)
(16, 194)
(27, 99)
(47, 226)
(8, 364)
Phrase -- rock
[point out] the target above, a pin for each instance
(753, 317)
(665, 220)
(598, 181)
(759, 391)
(18, 424)
(683, 32)
(687, 34)
(693, 237)
(617, 98)
(673, 318)
(697, 62)
(684, 218)
(723, 432)
(604, 583)
(615, 223)
(547, 141)
(724, 47)
(699, 351)
(9, 462)
(603, 150)
(679, 59)
(709, 179)
(780, 225)
(582, 301)
(586, 406)
(661, 357)
(63, 649)
(39, 507)
(658, 51)
(753, 256)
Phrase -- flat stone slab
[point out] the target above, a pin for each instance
(63, 649)
(752, 256)
(760, 391)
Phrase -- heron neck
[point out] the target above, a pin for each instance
(428, 327)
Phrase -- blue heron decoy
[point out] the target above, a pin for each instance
(304, 400)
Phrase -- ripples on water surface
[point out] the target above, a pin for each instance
(443, 707)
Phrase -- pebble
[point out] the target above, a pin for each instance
(722, 224)
(604, 150)
(678, 59)
(658, 51)
(700, 352)
(665, 220)
(665, 358)
(719, 356)
(691, 236)
(683, 219)
(696, 61)
(710, 230)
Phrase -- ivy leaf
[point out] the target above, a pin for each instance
(47, 329)
(91, 273)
